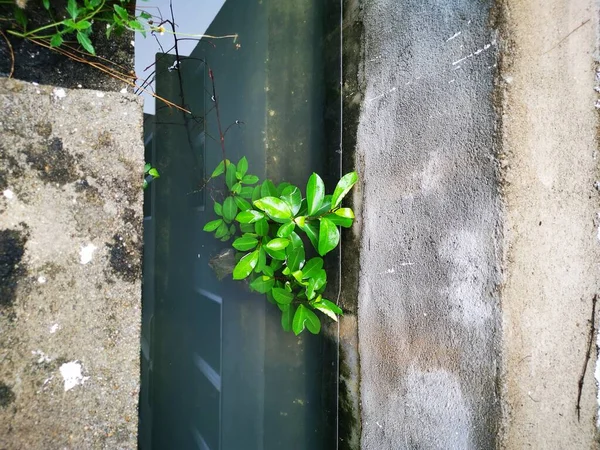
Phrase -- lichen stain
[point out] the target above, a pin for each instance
(12, 249)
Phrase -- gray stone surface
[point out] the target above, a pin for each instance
(428, 312)
(70, 267)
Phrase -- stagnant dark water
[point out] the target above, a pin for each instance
(218, 372)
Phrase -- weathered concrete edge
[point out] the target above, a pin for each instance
(74, 158)
(349, 419)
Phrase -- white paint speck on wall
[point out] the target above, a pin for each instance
(59, 93)
(8, 194)
(86, 254)
(71, 373)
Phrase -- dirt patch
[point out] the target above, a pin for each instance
(39, 64)
(9, 167)
(53, 163)
(125, 258)
(12, 249)
(7, 396)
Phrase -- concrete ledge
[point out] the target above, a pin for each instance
(70, 267)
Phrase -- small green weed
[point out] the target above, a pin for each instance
(78, 24)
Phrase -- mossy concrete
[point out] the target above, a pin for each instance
(70, 247)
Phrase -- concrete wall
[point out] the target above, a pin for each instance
(70, 276)
(430, 255)
(478, 235)
(550, 165)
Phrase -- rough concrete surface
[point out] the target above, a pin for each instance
(430, 252)
(70, 276)
(550, 164)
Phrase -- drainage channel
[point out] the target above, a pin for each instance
(218, 372)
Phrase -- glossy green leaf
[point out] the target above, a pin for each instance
(345, 212)
(276, 264)
(268, 270)
(315, 192)
(213, 225)
(244, 244)
(154, 172)
(218, 208)
(237, 188)
(286, 229)
(342, 188)
(282, 296)
(230, 178)
(46, 4)
(249, 179)
(85, 42)
(295, 257)
(278, 244)
(247, 227)
(145, 15)
(261, 227)
(275, 254)
(281, 187)
(297, 275)
(246, 192)
(220, 169)
(345, 222)
(256, 193)
(268, 189)
(310, 289)
(293, 197)
(329, 236)
(230, 209)
(222, 230)
(276, 209)
(245, 266)
(311, 230)
(325, 206)
(296, 241)
(232, 229)
(320, 279)
(323, 304)
(262, 260)
(242, 167)
(241, 203)
(249, 216)
(262, 284)
(312, 267)
(287, 317)
(304, 317)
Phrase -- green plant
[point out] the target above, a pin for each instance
(150, 174)
(272, 221)
(79, 22)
